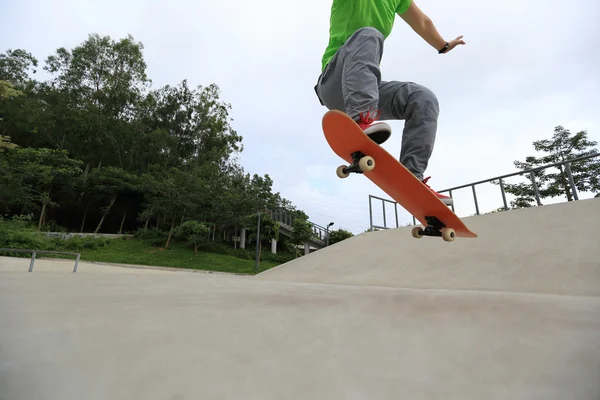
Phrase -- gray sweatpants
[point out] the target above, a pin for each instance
(351, 83)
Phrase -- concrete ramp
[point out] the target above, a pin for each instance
(553, 249)
(373, 317)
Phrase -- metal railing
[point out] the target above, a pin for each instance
(531, 176)
(35, 252)
(383, 201)
(319, 232)
(282, 216)
(285, 217)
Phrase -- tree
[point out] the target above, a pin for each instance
(40, 174)
(14, 192)
(14, 65)
(5, 143)
(269, 229)
(302, 233)
(107, 184)
(164, 155)
(171, 195)
(90, 101)
(194, 233)
(339, 235)
(562, 146)
(6, 92)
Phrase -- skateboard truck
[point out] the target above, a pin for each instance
(360, 163)
(434, 227)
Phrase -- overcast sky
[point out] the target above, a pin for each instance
(527, 67)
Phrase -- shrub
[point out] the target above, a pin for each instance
(78, 244)
(152, 236)
(18, 233)
(52, 226)
(193, 234)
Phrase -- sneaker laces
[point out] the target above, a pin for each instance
(368, 118)
(429, 187)
(425, 182)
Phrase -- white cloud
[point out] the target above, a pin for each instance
(526, 68)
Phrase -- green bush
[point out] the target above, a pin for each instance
(18, 233)
(278, 257)
(52, 226)
(22, 239)
(192, 234)
(223, 248)
(78, 244)
(246, 254)
(152, 236)
(18, 222)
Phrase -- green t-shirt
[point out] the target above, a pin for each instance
(347, 16)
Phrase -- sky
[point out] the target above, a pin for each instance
(526, 68)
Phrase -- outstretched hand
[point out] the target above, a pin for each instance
(452, 44)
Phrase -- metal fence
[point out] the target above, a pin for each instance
(35, 252)
(383, 201)
(530, 173)
(285, 217)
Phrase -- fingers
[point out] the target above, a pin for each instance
(455, 42)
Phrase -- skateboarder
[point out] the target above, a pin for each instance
(350, 79)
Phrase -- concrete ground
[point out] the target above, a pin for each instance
(512, 314)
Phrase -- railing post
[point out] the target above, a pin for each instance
(535, 188)
(475, 199)
(452, 205)
(257, 243)
(384, 220)
(32, 261)
(396, 211)
(571, 181)
(76, 262)
(503, 194)
(370, 215)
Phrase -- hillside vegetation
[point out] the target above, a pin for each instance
(94, 148)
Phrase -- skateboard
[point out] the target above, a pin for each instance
(367, 157)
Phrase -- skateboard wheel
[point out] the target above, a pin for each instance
(448, 234)
(366, 164)
(340, 172)
(417, 232)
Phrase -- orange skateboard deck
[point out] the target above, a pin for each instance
(366, 157)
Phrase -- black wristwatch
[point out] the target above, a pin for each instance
(444, 49)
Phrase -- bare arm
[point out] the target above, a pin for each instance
(424, 27)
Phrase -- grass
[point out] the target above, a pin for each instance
(133, 251)
(142, 249)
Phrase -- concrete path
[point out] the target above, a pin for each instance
(523, 325)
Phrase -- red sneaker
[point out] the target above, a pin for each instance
(378, 132)
(445, 199)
